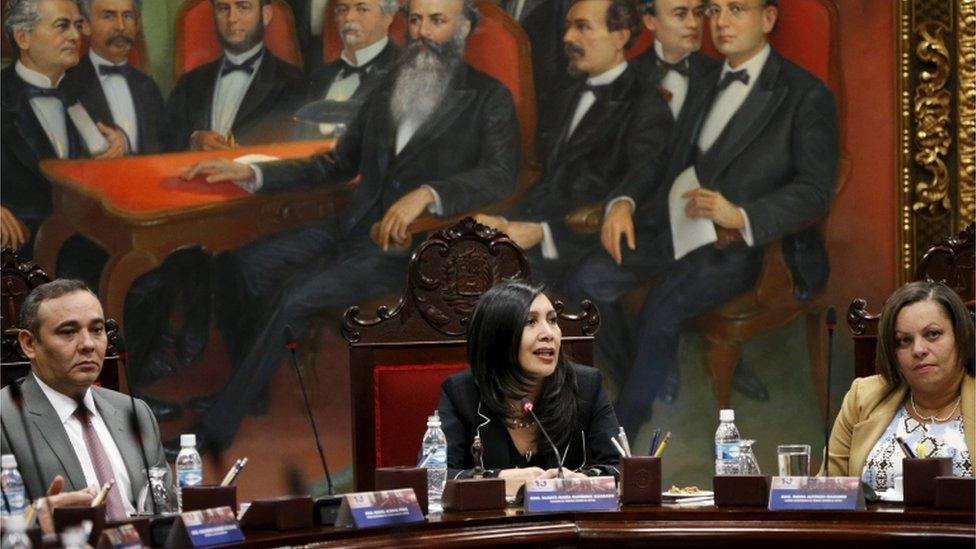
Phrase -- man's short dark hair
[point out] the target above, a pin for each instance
(623, 15)
(263, 2)
(28, 318)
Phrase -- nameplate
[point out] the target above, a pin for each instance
(123, 537)
(205, 527)
(576, 494)
(816, 494)
(369, 509)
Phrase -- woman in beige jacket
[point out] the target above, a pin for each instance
(924, 393)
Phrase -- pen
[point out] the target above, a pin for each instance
(655, 436)
(664, 444)
(103, 494)
(920, 450)
(237, 471)
(904, 447)
(624, 442)
(619, 448)
(230, 473)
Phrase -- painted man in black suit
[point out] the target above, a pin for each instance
(440, 137)
(612, 124)
(113, 91)
(247, 95)
(367, 57)
(542, 21)
(675, 64)
(765, 153)
(46, 35)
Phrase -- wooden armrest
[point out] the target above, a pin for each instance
(586, 220)
(775, 279)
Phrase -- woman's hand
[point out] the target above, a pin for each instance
(515, 478)
(553, 473)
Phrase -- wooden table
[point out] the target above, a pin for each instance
(882, 525)
(139, 211)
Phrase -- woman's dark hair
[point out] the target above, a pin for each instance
(914, 292)
(494, 336)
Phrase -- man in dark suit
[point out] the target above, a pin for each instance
(675, 64)
(612, 124)
(79, 432)
(542, 21)
(765, 154)
(113, 91)
(367, 57)
(46, 35)
(441, 137)
(247, 96)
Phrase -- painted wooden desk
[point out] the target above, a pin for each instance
(139, 210)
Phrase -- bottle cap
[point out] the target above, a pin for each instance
(726, 415)
(434, 420)
(8, 461)
(188, 440)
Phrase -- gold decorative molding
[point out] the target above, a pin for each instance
(935, 53)
(932, 110)
(966, 98)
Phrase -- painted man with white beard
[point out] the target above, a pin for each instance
(442, 138)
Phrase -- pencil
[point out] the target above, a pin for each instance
(664, 444)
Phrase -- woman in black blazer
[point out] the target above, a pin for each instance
(514, 353)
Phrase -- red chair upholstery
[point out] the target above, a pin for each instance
(195, 39)
(399, 359)
(403, 396)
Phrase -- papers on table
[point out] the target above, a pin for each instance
(255, 158)
(687, 234)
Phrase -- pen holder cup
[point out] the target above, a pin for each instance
(141, 524)
(200, 497)
(474, 494)
(741, 490)
(392, 478)
(66, 517)
(955, 493)
(640, 480)
(920, 479)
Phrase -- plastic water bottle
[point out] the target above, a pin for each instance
(727, 444)
(189, 467)
(434, 450)
(13, 486)
(14, 532)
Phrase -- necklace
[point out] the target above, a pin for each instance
(516, 423)
(933, 419)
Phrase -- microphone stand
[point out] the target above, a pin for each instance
(527, 407)
(326, 508)
(831, 324)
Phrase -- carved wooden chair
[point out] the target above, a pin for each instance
(399, 359)
(195, 39)
(17, 278)
(952, 262)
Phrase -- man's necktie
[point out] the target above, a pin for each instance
(121, 70)
(348, 69)
(100, 462)
(681, 67)
(36, 91)
(732, 76)
(599, 91)
(247, 65)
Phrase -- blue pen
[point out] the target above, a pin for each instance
(655, 435)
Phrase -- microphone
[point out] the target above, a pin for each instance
(326, 509)
(528, 408)
(831, 323)
(17, 395)
(118, 343)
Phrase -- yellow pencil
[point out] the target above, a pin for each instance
(663, 445)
